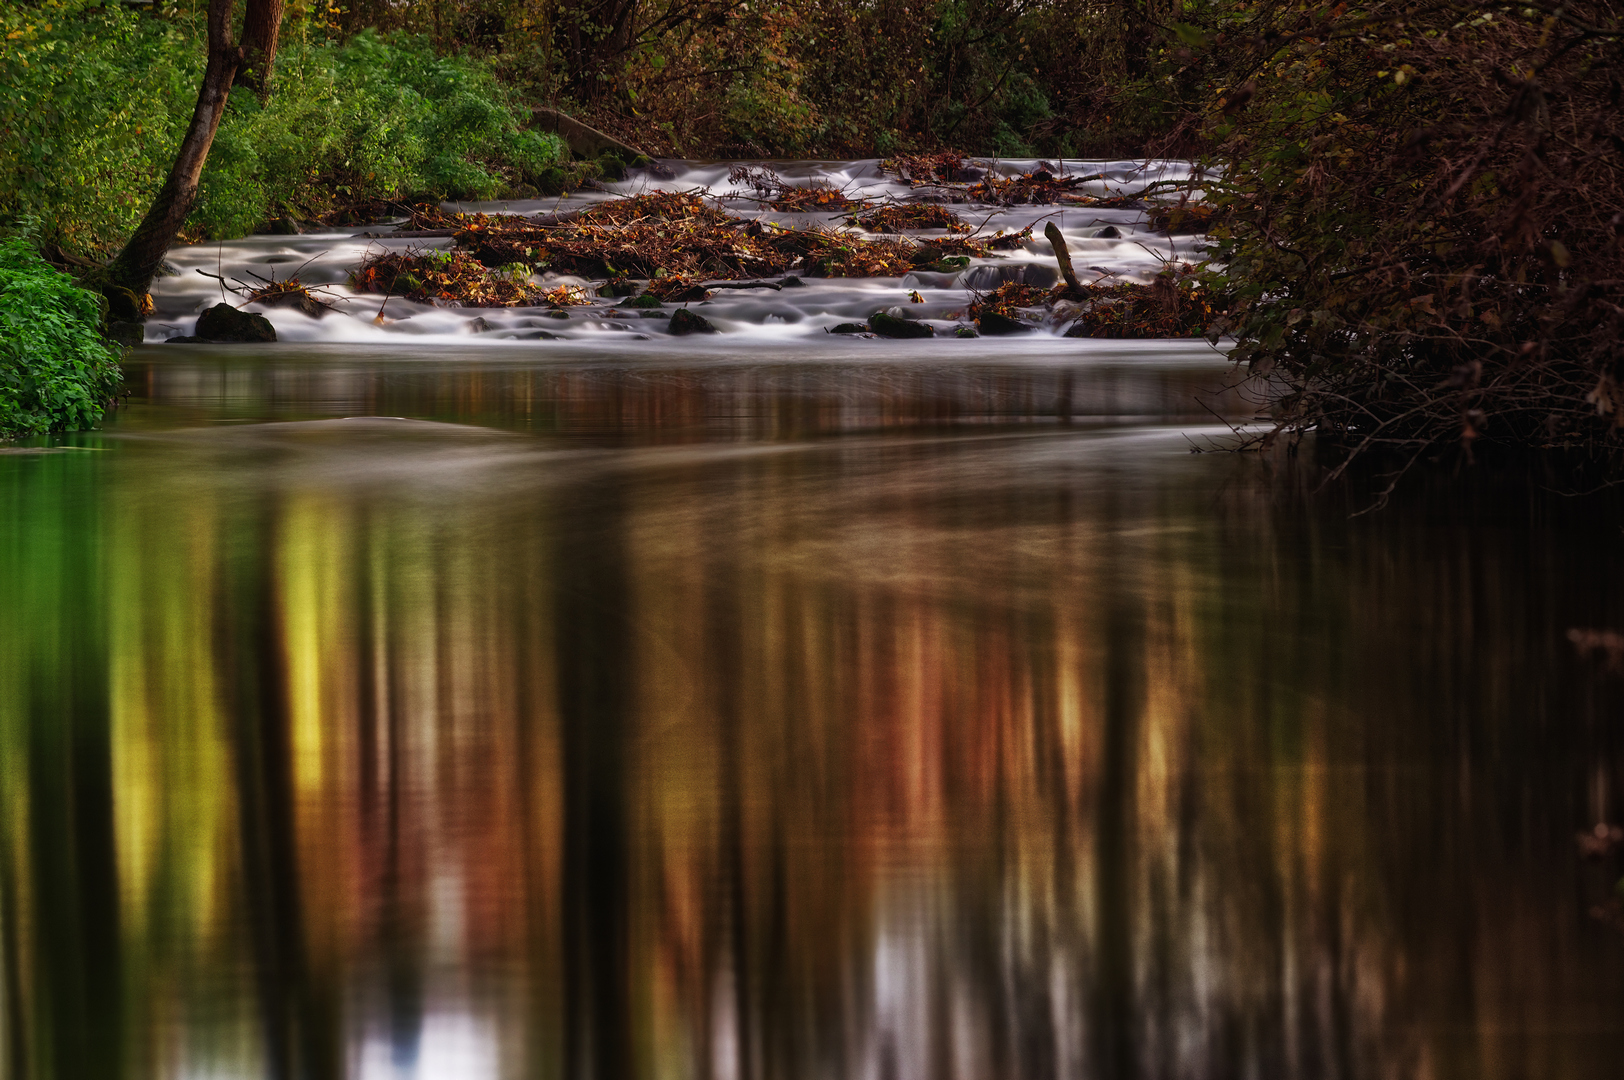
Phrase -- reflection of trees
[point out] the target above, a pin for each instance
(887, 763)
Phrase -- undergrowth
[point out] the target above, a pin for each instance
(56, 372)
(97, 98)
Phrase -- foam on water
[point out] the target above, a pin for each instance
(787, 317)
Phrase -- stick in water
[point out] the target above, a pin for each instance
(1062, 256)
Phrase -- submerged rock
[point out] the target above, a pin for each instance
(224, 323)
(684, 321)
(890, 326)
(849, 328)
(966, 332)
(478, 325)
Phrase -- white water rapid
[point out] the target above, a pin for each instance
(1102, 242)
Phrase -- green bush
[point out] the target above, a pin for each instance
(56, 372)
(95, 103)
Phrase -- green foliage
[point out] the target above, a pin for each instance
(56, 372)
(95, 105)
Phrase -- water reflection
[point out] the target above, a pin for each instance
(384, 749)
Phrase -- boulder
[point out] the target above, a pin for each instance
(222, 322)
(849, 328)
(890, 326)
(125, 331)
(478, 325)
(684, 321)
(991, 322)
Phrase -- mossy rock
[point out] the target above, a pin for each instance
(892, 327)
(992, 322)
(684, 321)
(617, 287)
(849, 328)
(553, 181)
(222, 322)
(647, 300)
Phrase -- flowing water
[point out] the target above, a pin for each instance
(781, 705)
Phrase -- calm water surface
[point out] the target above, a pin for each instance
(718, 716)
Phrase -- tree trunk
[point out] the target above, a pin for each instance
(260, 26)
(596, 37)
(129, 278)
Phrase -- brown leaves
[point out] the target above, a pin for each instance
(943, 167)
(453, 279)
(896, 219)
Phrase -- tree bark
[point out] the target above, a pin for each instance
(129, 277)
(260, 26)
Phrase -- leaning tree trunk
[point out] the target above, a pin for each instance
(129, 278)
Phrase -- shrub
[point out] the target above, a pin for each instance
(1424, 209)
(97, 101)
(56, 372)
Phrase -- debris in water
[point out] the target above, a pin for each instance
(896, 219)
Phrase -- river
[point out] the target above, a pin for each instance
(399, 702)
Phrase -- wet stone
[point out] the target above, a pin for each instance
(224, 323)
(998, 325)
(684, 321)
(892, 327)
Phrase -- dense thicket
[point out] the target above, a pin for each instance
(1425, 206)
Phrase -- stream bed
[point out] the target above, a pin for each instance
(380, 704)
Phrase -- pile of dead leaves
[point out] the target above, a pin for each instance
(780, 194)
(1039, 187)
(292, 293)
(674, 240)
(1175, 304)
(697, 247)
(1007, 299)
(448, 278)
(896, 219)
(650, 206)
(816, 198)
(943, 167)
